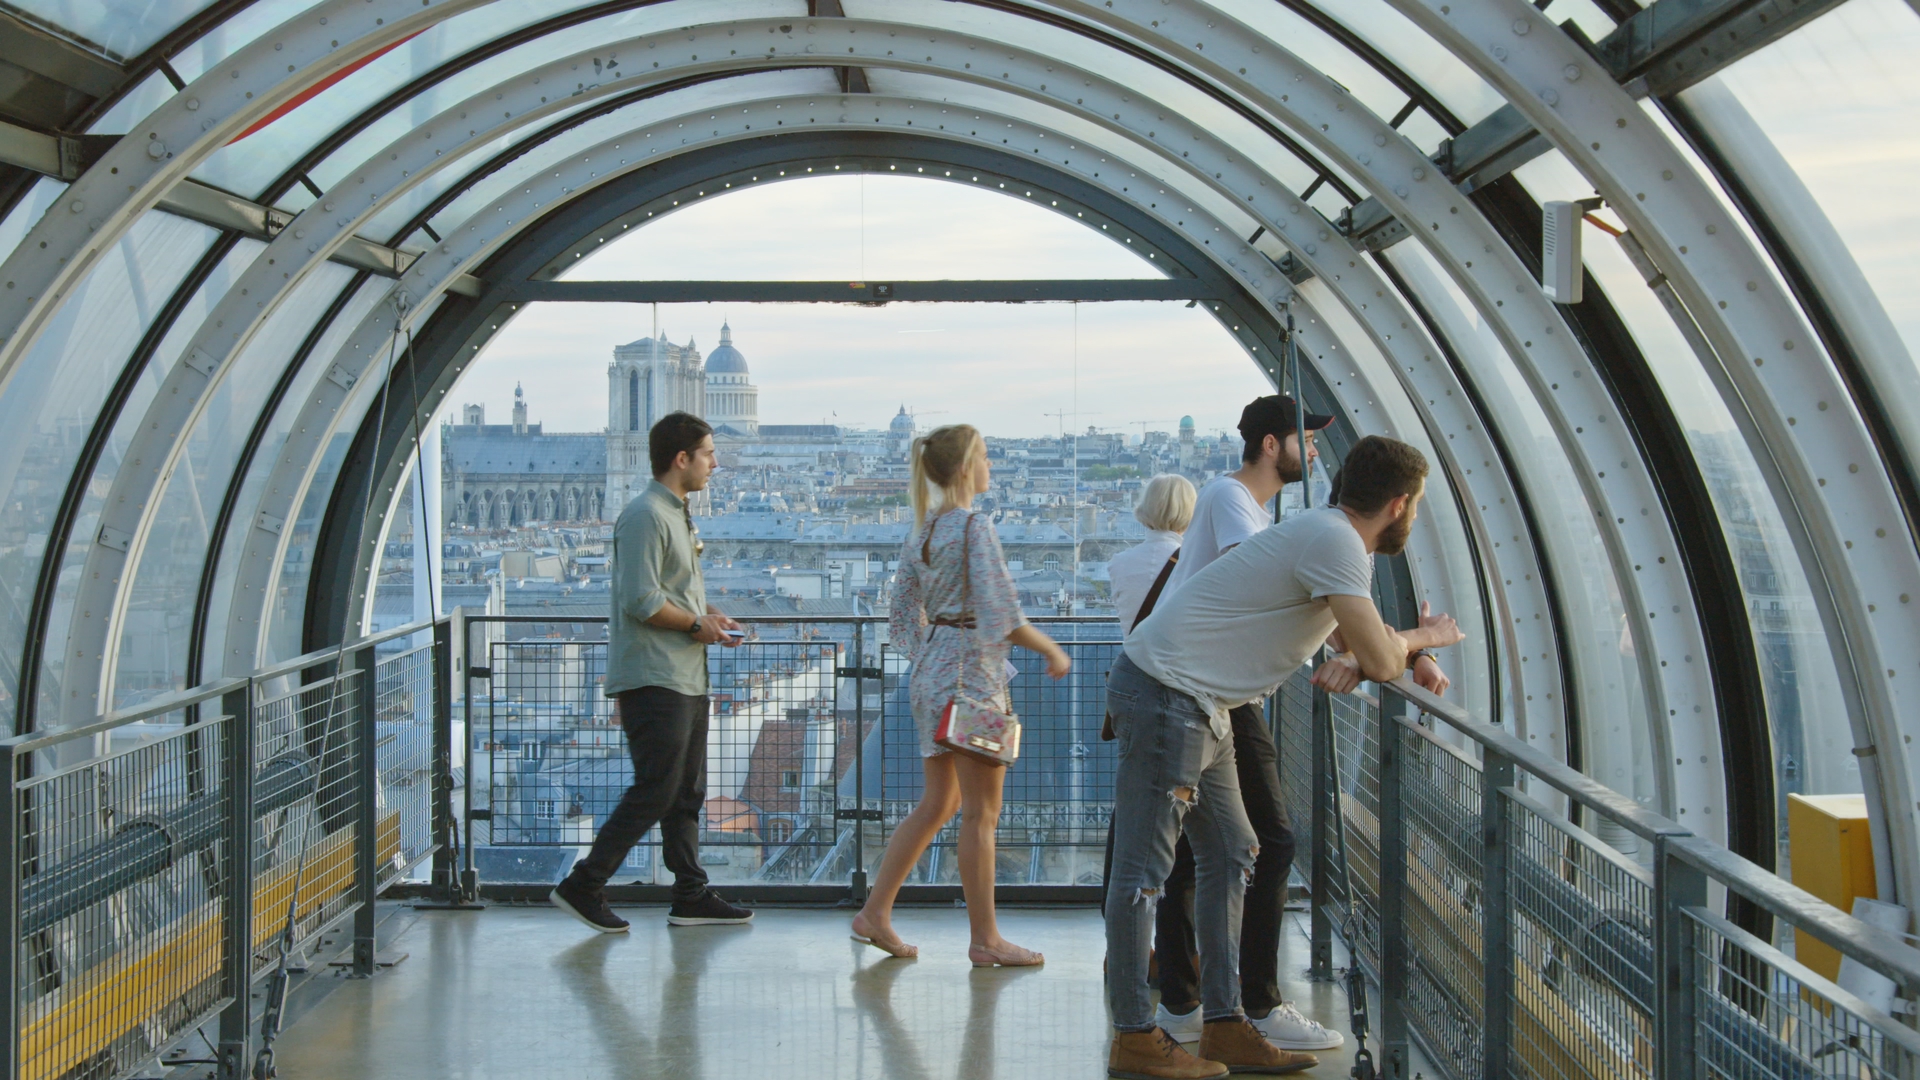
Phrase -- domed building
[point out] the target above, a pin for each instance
(900, 435)
(733, 402)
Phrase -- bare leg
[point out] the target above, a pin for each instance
(939, 799)
(980, 786)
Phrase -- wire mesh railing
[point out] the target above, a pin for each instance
(157, 862)
(812, 757)
(1507, 941)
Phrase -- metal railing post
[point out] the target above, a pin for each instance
(1677, 886)
(1321, 871)
(857, 884)
(443, 824)
(469, 877)
(1496, 916)
(1394, 959)
(236, 1036)
(366, 815)
(10, 944)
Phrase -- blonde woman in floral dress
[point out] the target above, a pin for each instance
(957, 616)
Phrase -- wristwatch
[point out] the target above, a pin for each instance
(1414, 657)
(695, 628)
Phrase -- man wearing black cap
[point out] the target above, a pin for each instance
(1233, 508)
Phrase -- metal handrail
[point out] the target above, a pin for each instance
(1867, 944)
(160, 706)
(331, 652)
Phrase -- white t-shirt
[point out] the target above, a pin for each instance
(1224, 515)
(1236, 630)
(1134, 571)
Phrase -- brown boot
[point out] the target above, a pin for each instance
(1238, 1045)
(1153, 1055)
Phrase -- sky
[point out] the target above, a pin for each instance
(1002, 367)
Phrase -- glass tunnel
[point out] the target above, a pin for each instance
(1641, 280)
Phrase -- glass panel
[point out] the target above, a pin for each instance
(247, 503)
(1612, 713)
(1470, 666)
(1192, 106)
(159, 614)
(122, 31)
(134, 106)
(1445, 75)
(26, 213)
(1813, 741)
(86, 522)
(584, 136)
(1303, 39)
(50, 406)
(233, 33)
(249, 164)
(287, 623)
(1832, 97)
(433, 100)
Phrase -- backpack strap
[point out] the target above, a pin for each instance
(1159, 585)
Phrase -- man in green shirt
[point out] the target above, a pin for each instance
(657, 673)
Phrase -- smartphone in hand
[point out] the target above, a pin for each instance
(735, 633)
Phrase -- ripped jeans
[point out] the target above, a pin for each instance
(1173, 770)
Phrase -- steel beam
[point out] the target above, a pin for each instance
(1095, 290)
(1640, 548)
(415, 150)
(1669, 46)
(99, 207)
(1821, 463)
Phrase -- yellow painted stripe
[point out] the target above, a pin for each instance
(99, 1006)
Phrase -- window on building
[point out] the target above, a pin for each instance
(633, 403)
(789, 779)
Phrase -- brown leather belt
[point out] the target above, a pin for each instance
(964, 622)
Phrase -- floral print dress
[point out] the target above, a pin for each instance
(943, 656)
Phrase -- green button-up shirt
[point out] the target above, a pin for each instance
(654, 563)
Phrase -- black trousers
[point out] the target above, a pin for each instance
(667, 738)
(1266, 903)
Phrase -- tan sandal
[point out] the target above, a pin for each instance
(1019, 957)
(896, 948)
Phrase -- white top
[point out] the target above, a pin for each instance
(1225, 514)
(1240, 627)
(1134, 570)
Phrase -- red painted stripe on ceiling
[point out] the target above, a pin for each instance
(322, 86)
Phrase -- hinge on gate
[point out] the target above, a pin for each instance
(341, 377)
(268, 523)
(858, 673)
(475, 671)
(117, 539)
(850, 814)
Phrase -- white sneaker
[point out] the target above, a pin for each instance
(1287, 1029)
(1184, 1027)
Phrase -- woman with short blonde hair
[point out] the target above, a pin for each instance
(1166, 504)
(956, 614)
(1166, 509)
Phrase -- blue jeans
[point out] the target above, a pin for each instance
(1173, 772)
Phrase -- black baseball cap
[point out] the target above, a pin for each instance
(1274, 415)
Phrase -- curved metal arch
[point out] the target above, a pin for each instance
(345, 557)
(1815, 469)
(97, 209)
(1335, 275)
(1643, 552)
(313, 248)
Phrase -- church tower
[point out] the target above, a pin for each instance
(648, 379)
(733, 402)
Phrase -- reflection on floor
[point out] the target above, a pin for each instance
(519, 992)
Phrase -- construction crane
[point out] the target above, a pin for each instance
(1144, 424)
(1061, 417)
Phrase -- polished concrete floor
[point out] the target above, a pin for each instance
(527, 992)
